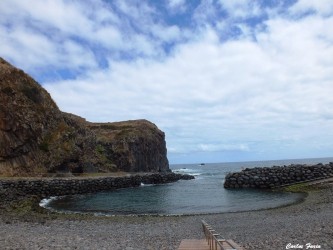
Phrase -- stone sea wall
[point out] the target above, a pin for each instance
(66, 186)
(277, 176)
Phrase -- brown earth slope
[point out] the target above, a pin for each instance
(37, 138)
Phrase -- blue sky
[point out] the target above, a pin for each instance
(226, 80)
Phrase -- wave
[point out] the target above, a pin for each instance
(189, 171)
(46, 201)
(184, 170)
(195, 174)
(147, 185)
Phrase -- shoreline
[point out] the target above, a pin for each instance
(300, 223)
(100, 214)
(11, 189)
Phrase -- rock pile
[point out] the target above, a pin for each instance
(66, 186)
(277, 176)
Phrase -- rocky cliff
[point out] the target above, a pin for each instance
(37, 138)
(132, 146)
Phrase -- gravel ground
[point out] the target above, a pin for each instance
(308, 222)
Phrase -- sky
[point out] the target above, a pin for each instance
(226, 80)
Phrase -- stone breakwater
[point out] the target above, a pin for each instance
(10, 189)
(277, 176)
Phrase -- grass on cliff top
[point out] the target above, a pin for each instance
(125, 129)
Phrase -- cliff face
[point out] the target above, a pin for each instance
(36, 137)
(132, 146)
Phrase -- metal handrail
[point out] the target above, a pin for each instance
(213, 238)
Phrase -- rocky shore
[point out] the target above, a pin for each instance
(277, 176)
(46, 187)
(307, 222)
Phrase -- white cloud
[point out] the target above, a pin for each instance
(33, 50)
(223, 147)
(256, 96)
(31, 47)
(205, 12)
(136, 9)
(65, 16)
(41, 34)
(176, 3)
(168, 34)
(42, 29)
(241, 8)
(322, 7)
(177, 6)
(79, 55)
(233, 92)
(110, 37)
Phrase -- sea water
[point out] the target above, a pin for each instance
(205, 194)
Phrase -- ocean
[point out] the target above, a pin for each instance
(203, 195)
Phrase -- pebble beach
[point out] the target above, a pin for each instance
(307, 224)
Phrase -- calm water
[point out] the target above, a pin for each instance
(205, 194)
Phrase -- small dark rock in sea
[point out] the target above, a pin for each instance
(187, 177)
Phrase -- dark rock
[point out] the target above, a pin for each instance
(13, 189)
(277, 176)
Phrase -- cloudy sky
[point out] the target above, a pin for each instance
(226, 80)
